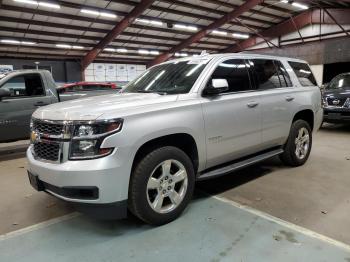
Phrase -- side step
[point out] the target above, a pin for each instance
(238, 165)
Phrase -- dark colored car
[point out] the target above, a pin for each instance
(336, 99)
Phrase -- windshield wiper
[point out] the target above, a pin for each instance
(151, 91)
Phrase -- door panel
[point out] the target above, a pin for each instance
(233, 129)
(232, 119)
(277, 112)
(15, 116)
(273, 83)
(27, 94)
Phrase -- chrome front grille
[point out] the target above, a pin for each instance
(48, 138)
(336, 102)
(47, 151)
(47, 128)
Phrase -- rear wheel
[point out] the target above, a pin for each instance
(161, 185)
(299, 143)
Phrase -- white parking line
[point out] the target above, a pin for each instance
(284, 223)
(38, 226)
(256, 212)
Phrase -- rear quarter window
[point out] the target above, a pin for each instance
(303, 73)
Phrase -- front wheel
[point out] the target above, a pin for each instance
(161, 185)
(298, 146)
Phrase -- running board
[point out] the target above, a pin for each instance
(238, 165)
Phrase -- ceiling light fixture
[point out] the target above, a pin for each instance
(154, 52)
(146, 21)
(217, 32)
(97, 13)
(108, 15)
(109, 49)
(284, 1)
(122, 50)
(63, 46)
(30, 2)
(44, 4)
(90, 12)
(181, 54)
(300, 5)
(50, 5)
(186, 27)
(77, 47)
(143, 52)
(27, 43)
(239, 35)
(9, 41)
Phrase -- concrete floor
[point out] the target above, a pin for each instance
(314, 196)
(209, 230)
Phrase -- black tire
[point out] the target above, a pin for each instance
(138, 202)
(289, 156)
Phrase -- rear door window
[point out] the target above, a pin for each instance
(303, 73)
(266, 74)
(283, 74)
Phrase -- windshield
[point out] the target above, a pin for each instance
(340, 82)
(169, 78)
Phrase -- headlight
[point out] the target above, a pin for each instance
(88, 137)
(324, 102)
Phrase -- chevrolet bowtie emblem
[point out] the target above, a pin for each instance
(33, 136)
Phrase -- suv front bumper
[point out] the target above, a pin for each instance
(336, 115)
(89, 183)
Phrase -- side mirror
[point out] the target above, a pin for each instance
(217, 86)
(4, 92)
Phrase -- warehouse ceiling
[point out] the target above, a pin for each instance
(155, 30)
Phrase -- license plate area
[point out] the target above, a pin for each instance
(35, 182)
(334, 115)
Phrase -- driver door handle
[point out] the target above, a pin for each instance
(289, 98)
(40, 103)
(252, 104)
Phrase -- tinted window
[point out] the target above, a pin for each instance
(304, 74)
(283, 74)
(25, 85)
(235, 71)
(266, 74)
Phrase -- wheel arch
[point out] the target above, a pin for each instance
(183, 141)
(306, 115)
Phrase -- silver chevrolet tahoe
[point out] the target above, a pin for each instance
(179, 122)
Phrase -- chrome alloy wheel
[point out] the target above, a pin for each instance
(167, 186)
(302, 143)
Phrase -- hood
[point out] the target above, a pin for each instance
(93, 107)
(338, 93)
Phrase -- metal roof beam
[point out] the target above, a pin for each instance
(90, 38)
(104, 21)
(117, 30)
(289, 25)
(233, 6)
(202, 33)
